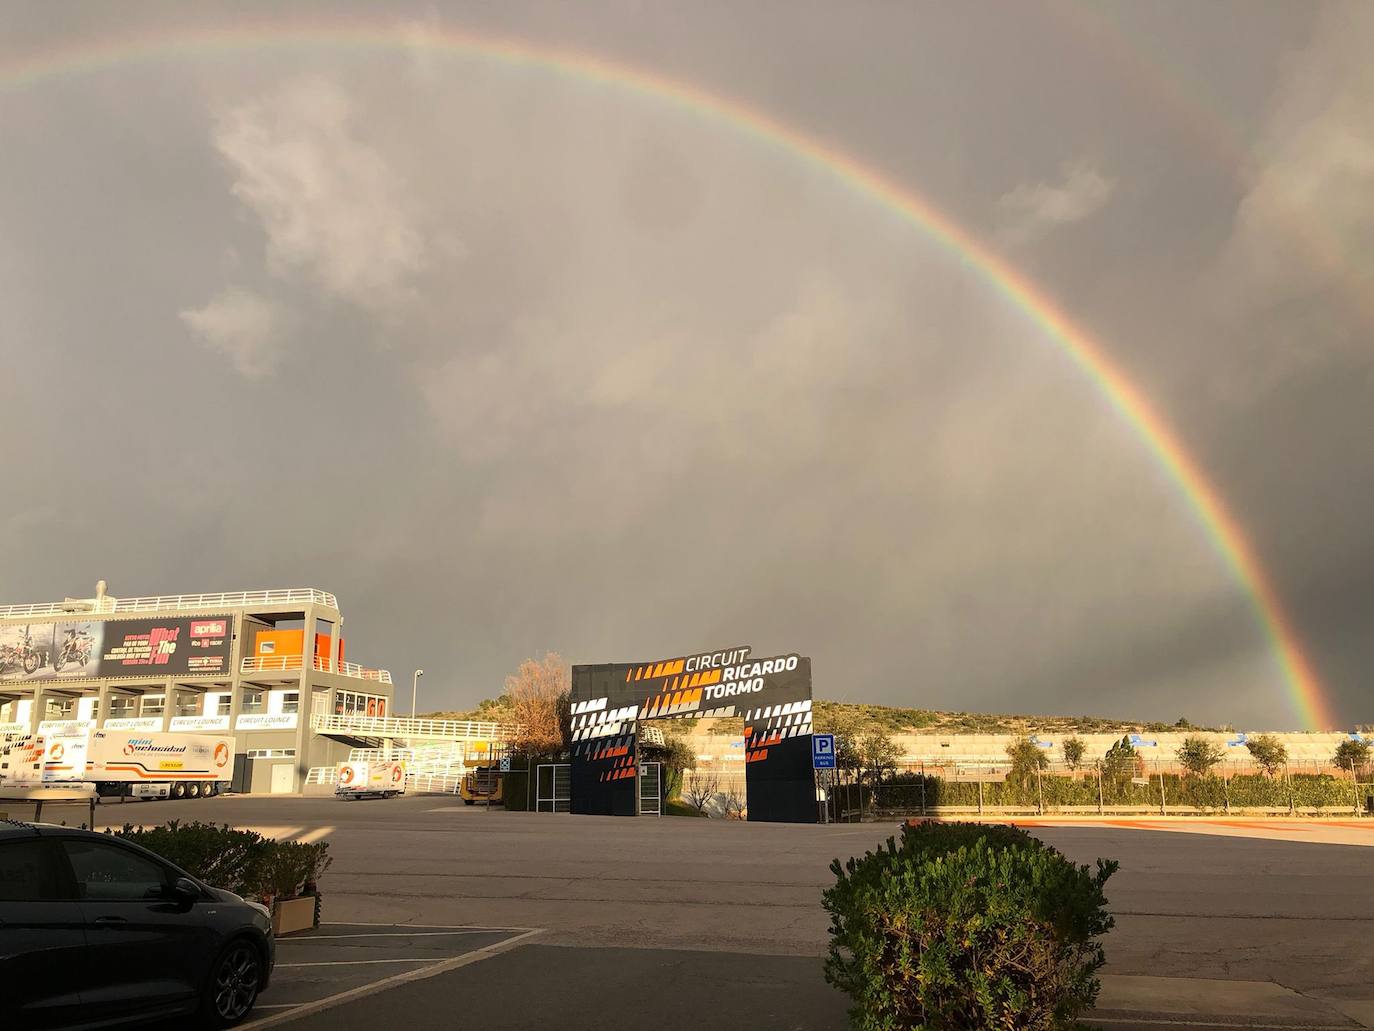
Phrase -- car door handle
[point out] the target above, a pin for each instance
(108, 921)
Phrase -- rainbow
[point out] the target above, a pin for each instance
(1306, 694)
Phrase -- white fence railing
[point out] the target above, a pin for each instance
(434, 783)
(174, 602)
(410, 729)
(289, 663)
(322, 775)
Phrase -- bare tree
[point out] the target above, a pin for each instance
(539, 699)
(699, 789)
(734, 806)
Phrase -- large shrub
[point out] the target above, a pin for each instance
(242, 861)
(962, 927)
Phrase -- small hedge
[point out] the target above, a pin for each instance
(240, 861)
(905, 791)
(963, 927)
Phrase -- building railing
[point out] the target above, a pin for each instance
(174, 602)
(289, 663)
(408, 728)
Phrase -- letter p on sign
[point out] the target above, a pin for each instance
(823, 751)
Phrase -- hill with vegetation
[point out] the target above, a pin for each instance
(857, 717)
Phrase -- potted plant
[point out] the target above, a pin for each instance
(288, 876)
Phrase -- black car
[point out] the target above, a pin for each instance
(97, 932)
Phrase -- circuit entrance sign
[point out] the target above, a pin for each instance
(772, 694)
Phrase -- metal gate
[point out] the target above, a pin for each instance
(650, 789)
(553, 788)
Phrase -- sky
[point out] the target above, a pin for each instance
(513, 361)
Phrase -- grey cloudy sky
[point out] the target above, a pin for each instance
(512, 361)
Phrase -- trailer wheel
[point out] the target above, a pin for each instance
(177, 790)
(192, 790)
(211, 789)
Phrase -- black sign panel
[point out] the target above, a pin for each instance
(175, 647)
(772, 693)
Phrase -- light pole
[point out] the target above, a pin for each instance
(414, 686)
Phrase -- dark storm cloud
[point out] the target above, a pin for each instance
(513, 362)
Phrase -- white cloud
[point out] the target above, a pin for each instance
(1031, 210)
(243, 326)
(1300, 257)
(331, 204)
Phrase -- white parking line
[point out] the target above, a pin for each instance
(1193, 1022)
(308, 1008)
(394, 934)
(436, 927)
(349, 963)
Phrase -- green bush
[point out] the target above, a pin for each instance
(905, 791)
(963, 926)
(221, 856)
(243, 862)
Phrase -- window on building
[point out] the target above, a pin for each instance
(222, 704)
(95, 709)
(153, 705)
(291, 701)
(188, 703)
(253, 702)
(60, 709)
(121, 705)
(271, 753)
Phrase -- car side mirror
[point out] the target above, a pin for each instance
(185, 891)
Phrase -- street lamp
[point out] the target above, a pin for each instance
(414, 686)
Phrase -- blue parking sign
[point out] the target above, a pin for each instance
(823, 751)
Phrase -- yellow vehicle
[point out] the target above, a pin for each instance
(482, 784)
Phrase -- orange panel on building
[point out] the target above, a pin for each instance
(279, 642)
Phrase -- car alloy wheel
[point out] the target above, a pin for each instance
(236, 982)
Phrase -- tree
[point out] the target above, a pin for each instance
(1198, 755)
(1120, 762)
(1073, 752)
(676, 756)
(878, 754)
(699, 789)
(733, 806)
(847, 753)
(1268, 751)
(538, 694)
(1352, 755)
(845, 726)
(1027, 759)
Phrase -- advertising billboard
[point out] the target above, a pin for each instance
(199, 644)
(89, 648)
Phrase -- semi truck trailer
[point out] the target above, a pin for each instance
(132, 763)
(370, 779)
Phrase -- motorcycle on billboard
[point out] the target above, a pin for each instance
(76, 649)
(22, 656)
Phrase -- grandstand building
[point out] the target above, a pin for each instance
(266, 667)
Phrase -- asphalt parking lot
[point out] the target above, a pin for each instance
(338, 962)
(1219, 926)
